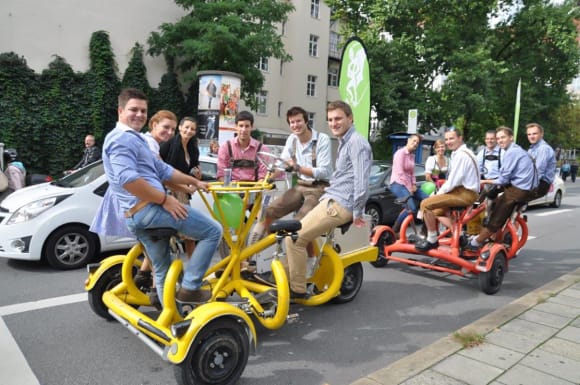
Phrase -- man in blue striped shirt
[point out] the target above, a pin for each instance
(519, 177)
(343, 200)
(544, 158)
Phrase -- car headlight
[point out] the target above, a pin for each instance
(34, 209)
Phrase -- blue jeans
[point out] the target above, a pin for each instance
(198, 226)
(401, 192)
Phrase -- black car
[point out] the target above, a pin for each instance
(381, 204)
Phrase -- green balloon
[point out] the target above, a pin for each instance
(428, 188)
(232, 206)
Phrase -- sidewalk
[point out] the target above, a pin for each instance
(535, 340)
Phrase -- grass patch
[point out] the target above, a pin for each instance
(469, 340)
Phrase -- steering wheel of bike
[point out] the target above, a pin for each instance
(271, 161)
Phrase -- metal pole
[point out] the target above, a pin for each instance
(1, 156)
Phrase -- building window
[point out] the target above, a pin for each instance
(311, 85)
(313, 46)
(314, 8)
(333, 77)
(262, 102)
(311, 120)
(263, 64)
(334, 45)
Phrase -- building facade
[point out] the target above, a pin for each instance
(38, 30)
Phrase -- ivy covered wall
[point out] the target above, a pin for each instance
(46, 116)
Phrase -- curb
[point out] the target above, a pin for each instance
(415, 363)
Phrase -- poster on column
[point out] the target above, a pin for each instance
(218, 103)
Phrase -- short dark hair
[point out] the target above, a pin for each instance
(297, 111)
(127, 94)
(245, 115)
(339, 105)
(188, 119)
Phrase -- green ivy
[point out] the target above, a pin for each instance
(46, 117)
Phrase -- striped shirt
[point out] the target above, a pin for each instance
(545, 160)
(517, 169)
(349, 184)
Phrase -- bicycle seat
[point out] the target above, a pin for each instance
(285, 225)
(402, 201)
(158, 233)
(344, 228)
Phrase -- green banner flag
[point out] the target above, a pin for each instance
(354, 83)
(517, 111)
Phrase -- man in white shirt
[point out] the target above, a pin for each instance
(461, 189)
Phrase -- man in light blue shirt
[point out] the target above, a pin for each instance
(489, 158)
(544, 158)
(136, 178)
(343, 200)
(517, 175)
(307, 153)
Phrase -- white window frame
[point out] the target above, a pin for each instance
(311, 120)
(263, 64)
(311, 85)
(313, 45)
(333, 77)
(262, 102)
(315, 8)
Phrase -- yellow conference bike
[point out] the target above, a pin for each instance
(210, 343)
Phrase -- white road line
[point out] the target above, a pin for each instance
(42, 304)
(552, 212)
(14, 369)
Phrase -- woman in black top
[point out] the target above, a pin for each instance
(182, 153)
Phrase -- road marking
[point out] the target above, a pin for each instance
(42, 304)
(552, 212)
(14, 369)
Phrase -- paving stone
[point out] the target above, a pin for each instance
(513, 341)
(571, 292)
(576, 322)
(556, 308)
(432, 378)
(570, 333)
(565, 300)
(563, 347)
(467, 370)
(554, 364)
(493, 355)
(544, 318)
(523, 375)
(529, 329)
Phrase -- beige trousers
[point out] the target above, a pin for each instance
(324, 217)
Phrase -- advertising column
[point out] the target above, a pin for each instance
(219, 97)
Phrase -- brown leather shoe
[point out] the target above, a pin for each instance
(192, 296)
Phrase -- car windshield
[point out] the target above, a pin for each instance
(81, 177)
(378, 171)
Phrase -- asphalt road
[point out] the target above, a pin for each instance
(49, 335)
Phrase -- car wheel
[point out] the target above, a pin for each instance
(557, 199)
(70, 247)
(375, 212)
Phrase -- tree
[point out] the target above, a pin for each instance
(224, 35)
(459, 62)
